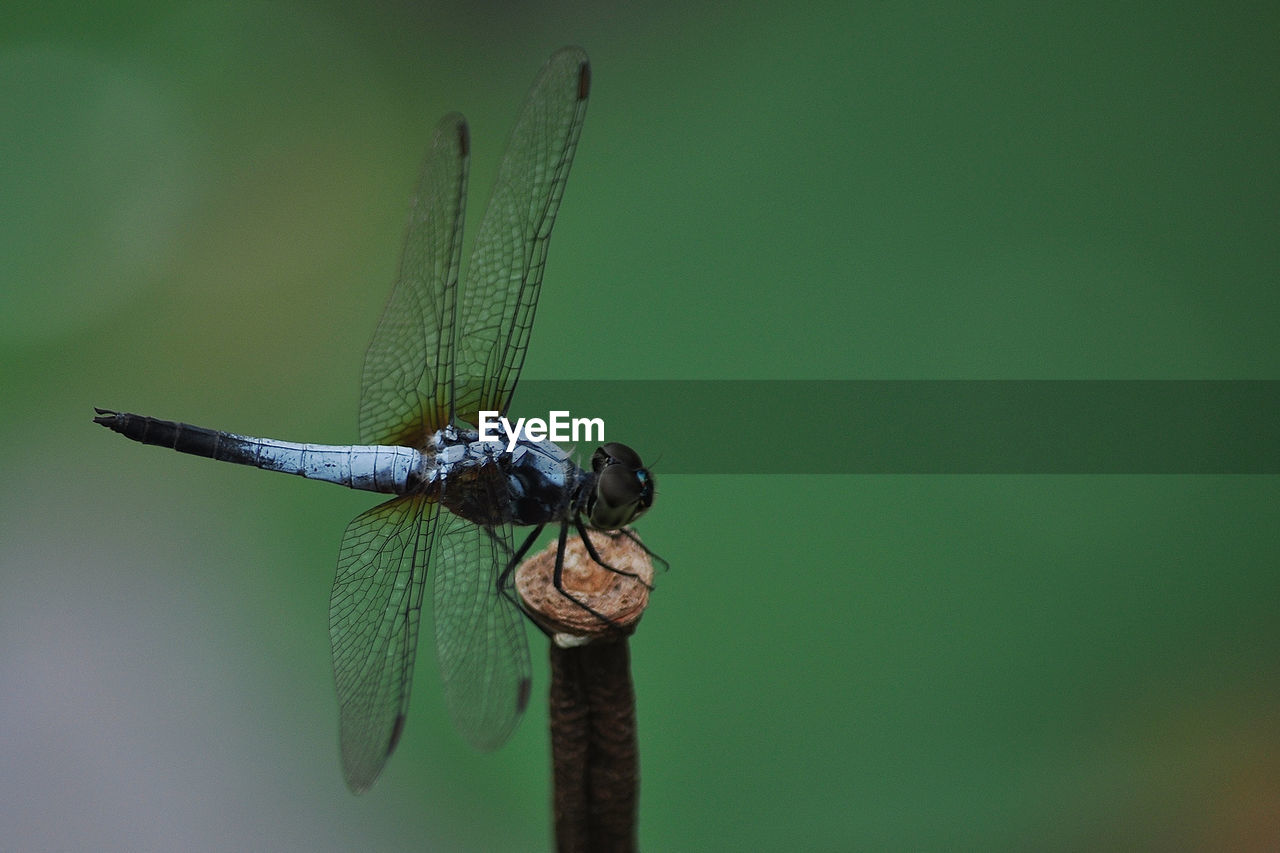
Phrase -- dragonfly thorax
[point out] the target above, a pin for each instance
(536, 483)
(481, 481)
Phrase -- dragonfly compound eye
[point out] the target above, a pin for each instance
(614, 453)
(622, 495)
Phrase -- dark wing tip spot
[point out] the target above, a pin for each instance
(584, 81)
(464, 138)
(396, 731)
(522, 695)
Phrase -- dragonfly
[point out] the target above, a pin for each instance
(442, 353)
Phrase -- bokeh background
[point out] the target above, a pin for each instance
(202, 207)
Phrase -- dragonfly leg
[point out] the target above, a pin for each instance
(557, 577)
(626, 531)
(595, 555)
(505, 586)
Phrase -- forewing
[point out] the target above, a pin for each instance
(374, 613)
(404, 393)
(480, 639)
(504, 275)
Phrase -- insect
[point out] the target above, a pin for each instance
(443, 353)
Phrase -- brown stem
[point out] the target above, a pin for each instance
(594, 751)
(595, 754)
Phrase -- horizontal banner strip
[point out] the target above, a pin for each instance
(929, 426)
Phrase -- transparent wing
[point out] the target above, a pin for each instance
(504, 275)
(480, 639)
(374, 613)
(404, 393)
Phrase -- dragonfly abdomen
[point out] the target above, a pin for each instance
(374, 468)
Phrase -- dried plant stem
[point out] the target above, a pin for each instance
(595, 754)
(594, 750)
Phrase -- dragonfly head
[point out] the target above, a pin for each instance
(623, 487)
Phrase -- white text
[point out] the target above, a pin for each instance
(558, 426)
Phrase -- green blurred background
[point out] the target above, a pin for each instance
(202, 207)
